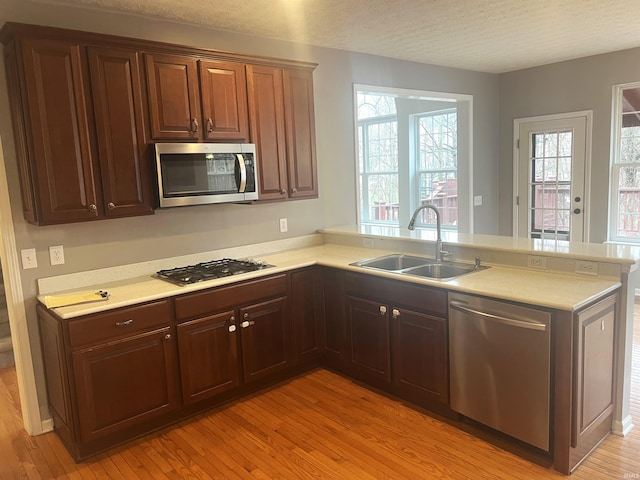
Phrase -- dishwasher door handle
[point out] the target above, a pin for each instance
(507, 321)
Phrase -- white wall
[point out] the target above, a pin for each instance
(195, 229)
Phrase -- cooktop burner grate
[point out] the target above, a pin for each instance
(224, 267)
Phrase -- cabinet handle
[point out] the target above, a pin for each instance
(209, 125)
(125, 323)
(167, 336)
(383, 310)
(194, 125)
(294, 190)
(395, 312)
(111, 205)
(283, 192)
(93, 208)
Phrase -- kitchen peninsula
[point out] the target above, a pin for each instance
(307, 310)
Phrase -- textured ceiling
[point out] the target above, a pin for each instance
(485, 35)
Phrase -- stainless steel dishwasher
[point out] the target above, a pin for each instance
(500, 356)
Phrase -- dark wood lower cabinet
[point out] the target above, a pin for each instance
(264, 335)
(116, 375)
(420, 356)
(307, 314)
(124, 383)
(369, 340)
(208, 353)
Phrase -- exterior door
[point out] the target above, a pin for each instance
(551, 163)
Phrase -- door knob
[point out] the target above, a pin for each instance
(577, 210)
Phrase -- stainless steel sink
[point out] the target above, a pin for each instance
(418, 266)
(394, 262)
(440, 271)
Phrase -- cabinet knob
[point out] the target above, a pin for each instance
(395, 312)
(209, 125)
(232, 319)
(294, 190)
(111, 205)
(167, 336)
(283, 192)
(383, 310)
(194, 125)
(245, 316)
(93, 208)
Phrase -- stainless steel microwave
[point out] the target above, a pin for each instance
(201, 173)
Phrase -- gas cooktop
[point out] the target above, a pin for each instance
(224, 267)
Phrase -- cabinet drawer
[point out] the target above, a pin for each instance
(109, 325)
(405, 294)
(217, 299)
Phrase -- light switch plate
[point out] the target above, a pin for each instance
(29, 259)
(284, 227)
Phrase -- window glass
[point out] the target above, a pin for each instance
(409, 153)
(625, 174)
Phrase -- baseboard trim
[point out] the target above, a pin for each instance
(622, 428)
(47, 425)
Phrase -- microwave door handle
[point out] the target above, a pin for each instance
(243, 173)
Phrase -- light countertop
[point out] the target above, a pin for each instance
(554, 290)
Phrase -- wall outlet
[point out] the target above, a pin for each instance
(477, 200)
(590, 268)
(56, 255)
(29, 258)
(284, 226)
(536, 261)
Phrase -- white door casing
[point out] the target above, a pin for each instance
(551, 176)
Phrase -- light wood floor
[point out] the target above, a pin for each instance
(317, 426)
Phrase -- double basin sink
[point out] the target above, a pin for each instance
(418, 266)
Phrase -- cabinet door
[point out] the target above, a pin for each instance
(266, 107)
(307, 314)
(125, 383)
(334, 314)
(208, 353)
(223, 87)
(265, 339)
(117, 100)
(368, 331)
(62, 157)
(420, 366)
(172, 85)
(299, 121)
(594, 375)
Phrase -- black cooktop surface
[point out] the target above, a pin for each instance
(224, 267)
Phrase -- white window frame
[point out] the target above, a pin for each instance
(614, 174)
(466, 226)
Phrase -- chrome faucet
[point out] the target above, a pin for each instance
(412, 225)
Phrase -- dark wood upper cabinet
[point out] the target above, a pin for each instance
(86, 108)
(192, 99)
(117, 100)
(283, 128)
(60, 157)
(172, 86)
(300, 133)
(223, 88)
(79, 129)
(266, 107)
